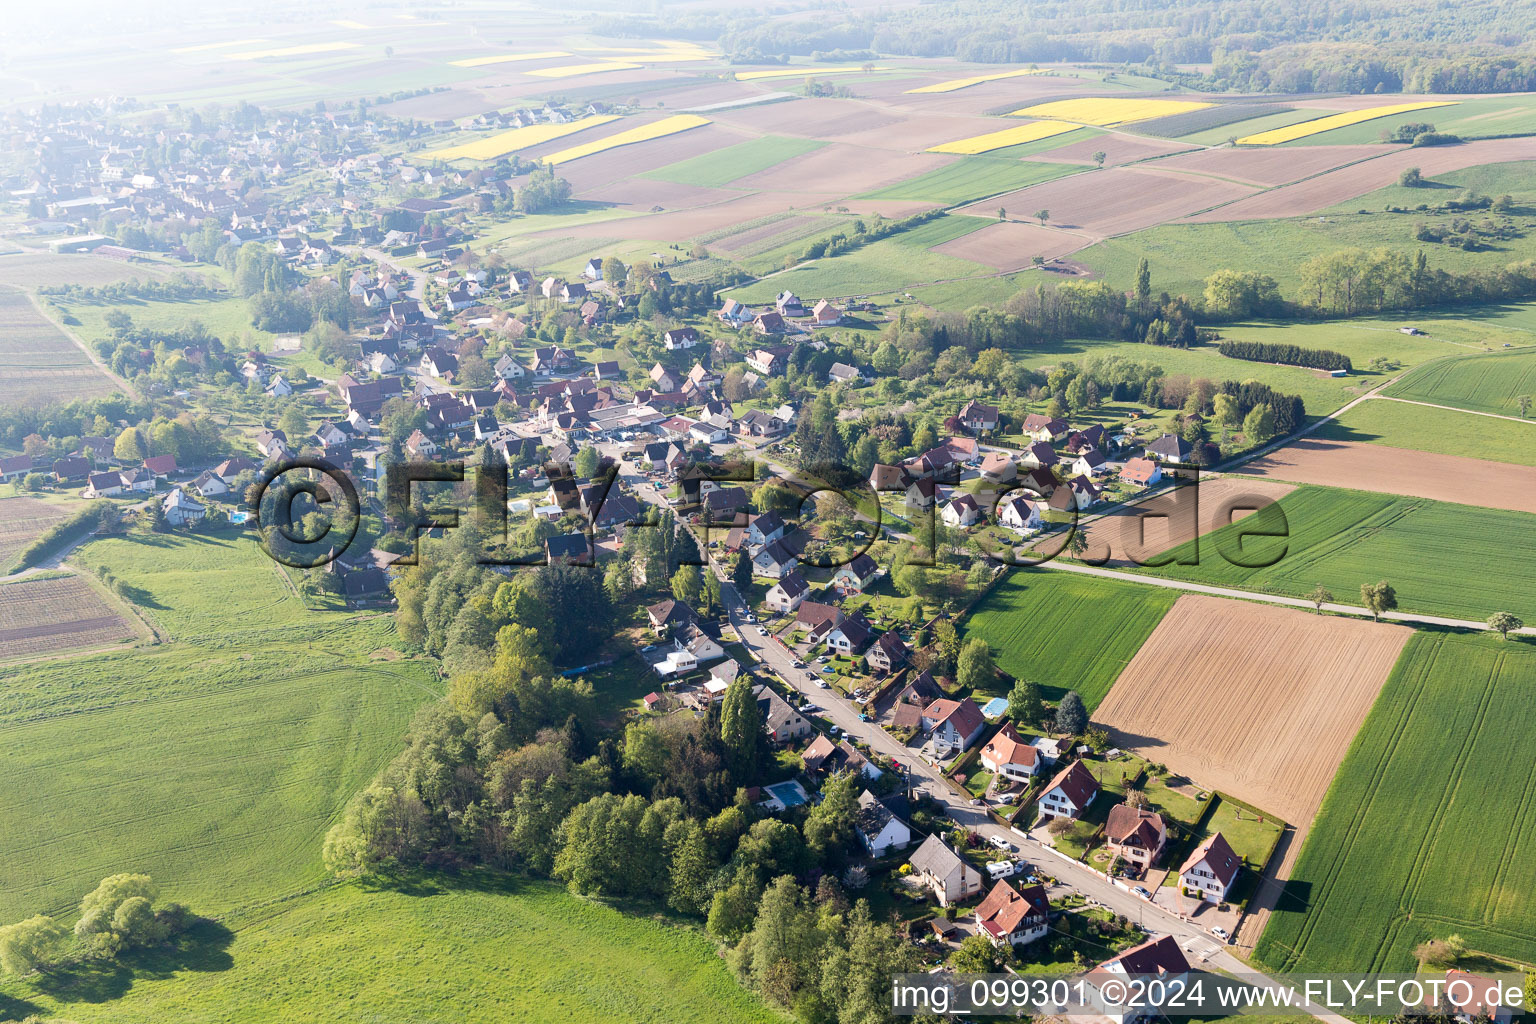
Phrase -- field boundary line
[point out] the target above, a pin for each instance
(1451, 408)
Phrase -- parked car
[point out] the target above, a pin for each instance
(1139, 891)
(761, 631)
(1221, 933)
(821, 683)
(997, 841)
(799, 663)
(835, 730)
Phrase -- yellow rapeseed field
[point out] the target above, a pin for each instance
(349, 23)
(655, 130)
(1107, 111)
(503, 143)
(572, 70)
(1318, 125)
(291, 51)
(1023, 133)
(752, 76)
(505, 58)
(956, 84)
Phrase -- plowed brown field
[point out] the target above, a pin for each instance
(1333, 187)
(1011, 245)
(1118, 199)
(54, 615)
(1375, 467)
(1272, 165)
(1253, 700)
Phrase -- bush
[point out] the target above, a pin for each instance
(65, 532)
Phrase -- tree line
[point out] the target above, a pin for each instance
(1290, 355)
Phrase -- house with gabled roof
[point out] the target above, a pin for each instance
(859, 573)
(1010, 917)
(1136, 835)
(953, 723)
(1160, 961)
(665, 614)
(1045, 428)
(826, 314)
(978, 417)
(680, 338)
(1019, 514)
(1210, 869)
(1011, 756)
(962, 510)
(774, 560)
(944, 872)
(1039, 455)
(888, 653)
(880, 830)
(786, 595)
(1091, 463)
(782, 723)
(850, 634)
(1069, 793)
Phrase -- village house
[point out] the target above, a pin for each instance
(680, 338)
(1477, 999)
(663, 615)
(852, 578)
(1210, 870)
(888, 478)
(1010, 917)
(272, 443)
(880, 830)
(1020, 515)
(770, 362)
(953, 724)
(103, 485)
(826, 314)
(888, 653)
(765, 529)
(1091, 464)
(978, 418)
(768, 323)
(782, 723)
(998, 468)
(181, 510)
(961, 511)
(1141, 473)
(1039, 455)
(1170, 448)
(774, 560)
(1010, 756)
(823, 756)
(943, 872)
(1069, 793)
(786, 595)
(1160, 960)
(209, 484)
(1135, 834)
(1045, 428)
(735, 314)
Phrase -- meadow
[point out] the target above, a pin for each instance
(1425, 832)
(1066, 632)
(1517, 179)
(1490, 383)
(887, 265)
(214, 761)
(971, 178)
(1442, 559)
(724, 166)
(454, 951)
(1182, 256)
(1443, 431)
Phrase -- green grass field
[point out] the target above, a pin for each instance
(724, 166)
(1442, 431)
(1490, 382)
(214, 761)
(973, 177)
(228, 318)
(436, 953)
(1182, 256)
(1066, 632)
(1426, 831)
(1513, 179)
(887, 265)
(1442, 559)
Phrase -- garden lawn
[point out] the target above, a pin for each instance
(1491, 382)
(1442, 431)
(973, 177)
(726, 165)
(1426, 831)
(1442, 559)
(1066, 632)
(476, 950)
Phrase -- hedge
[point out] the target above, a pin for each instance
(1290, 355)
(59, 535)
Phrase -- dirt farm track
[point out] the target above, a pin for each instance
(1252, 700)
(1373, 467)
